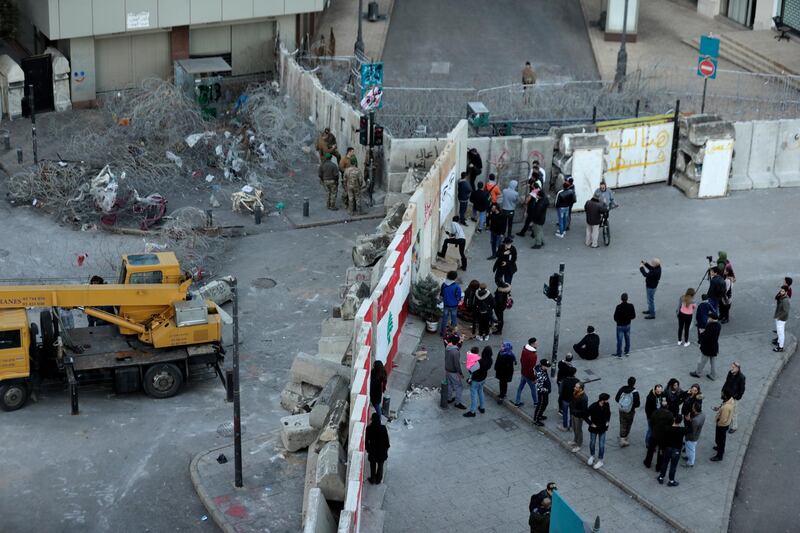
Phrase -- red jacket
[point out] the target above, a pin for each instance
(528, 360)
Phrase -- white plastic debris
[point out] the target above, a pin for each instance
(194, 138)
(209, 178)
(175, 159)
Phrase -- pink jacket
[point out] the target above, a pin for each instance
(472, 360)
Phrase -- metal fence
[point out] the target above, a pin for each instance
(429, 112)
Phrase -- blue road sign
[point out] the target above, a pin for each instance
(707, 60)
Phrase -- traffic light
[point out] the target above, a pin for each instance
(363, 130)
(377, 135)
(553, 286)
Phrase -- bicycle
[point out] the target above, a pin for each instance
(605, 229)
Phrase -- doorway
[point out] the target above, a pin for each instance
(741, 11)
(39, 73)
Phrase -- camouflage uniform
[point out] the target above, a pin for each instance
(329, 175)
(326, 144)
(354, 183)
(344, 163)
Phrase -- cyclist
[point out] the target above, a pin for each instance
(606, 195)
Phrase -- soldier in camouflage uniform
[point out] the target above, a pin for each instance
(348, 159)
(326, 144)
(329, 176)
(354, 183)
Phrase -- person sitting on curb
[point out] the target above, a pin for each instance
(589, 346)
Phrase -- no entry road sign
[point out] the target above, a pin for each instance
(707, 67)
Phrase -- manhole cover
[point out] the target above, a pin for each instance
(4, 253)
(506, 424)
(264, 283)
(226, 429)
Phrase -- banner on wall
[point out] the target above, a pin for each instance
(392, 305)
(447, 196)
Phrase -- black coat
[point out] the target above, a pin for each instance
(540, 211)
(709, 339)
(500, 300)
(579, 407)
(651, 403)
(600, 416)
(464, 190)
(376, 388)
(661, 421)
(506, 260)
(504, 367)
(474, 159)
(497, 223)
(594, 209)
(590, 346)
(734, 385)
(652, 275)
(624, 313)
(484, 366)
(567, 386)
(480, 200)
(376, 443)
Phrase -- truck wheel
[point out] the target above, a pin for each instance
(49, 332)
(163, 380)
(13, 395)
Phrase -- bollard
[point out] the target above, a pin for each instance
(443, 395)
(19, 155)
(257, 213)
(229, 386)
(305, 207)
(7, 141)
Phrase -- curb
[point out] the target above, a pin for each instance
(633, 493)
(748, 432)
(630, 491)
(218, 517)
(595, 53)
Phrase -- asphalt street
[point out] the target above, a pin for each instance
(475, 43)
(122, 465)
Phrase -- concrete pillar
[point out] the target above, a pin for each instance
(179, 43)
(287, 25)
(765, 10)
(83, 80)
(708, 8)
(716, 168)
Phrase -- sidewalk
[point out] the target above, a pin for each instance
(342, 17)
(272, 496)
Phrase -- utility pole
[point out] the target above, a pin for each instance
(359, 47)
(622, 56)
(237, 417)
(557, 296)
(32, 109)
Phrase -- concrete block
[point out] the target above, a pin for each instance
(296, 396)
(346, 522)
(581, 141)
(688, 186)
(336, 389)
(309, 369)
(319, 518)
(741, 157)
(557, 131)
(587, 170)
(540, 149)
(353, 298)
(393, 198)
(369, 248)
(699, 134)
(687, 121)
(330, 476)
(392, 220)
(411, 181)
(297, 432)
(395, 180)
(761, 167)
(419, 153)
(787, 155)
(333, 345)
(336, 326)
(310, 480)
(335, 422)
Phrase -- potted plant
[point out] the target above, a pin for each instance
(424, 302)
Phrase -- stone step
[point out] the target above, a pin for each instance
(337, 358)
(730, 40)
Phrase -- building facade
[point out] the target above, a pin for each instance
(115, 44)
(754, 14)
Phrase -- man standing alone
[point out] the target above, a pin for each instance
(652, 274)
(724, 416)
(709, 348)
(781, 316)
(734, 387)
(623, 315)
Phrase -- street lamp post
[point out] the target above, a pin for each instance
(359, 47)
(622, 56)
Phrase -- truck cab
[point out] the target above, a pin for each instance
(15, 344)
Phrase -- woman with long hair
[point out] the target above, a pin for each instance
(377, 385)
(686, 308)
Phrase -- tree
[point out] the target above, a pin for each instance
(424, 300)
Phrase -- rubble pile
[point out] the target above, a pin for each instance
(695, 131)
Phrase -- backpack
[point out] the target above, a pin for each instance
(626, 401)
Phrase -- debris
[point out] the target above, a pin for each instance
(194, 138)
(209, 178)
(212, 201)
(175, 159)
(247, 200)
(221, 459)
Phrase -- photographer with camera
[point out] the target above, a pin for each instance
(652, 275)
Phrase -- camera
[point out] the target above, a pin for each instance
(710, 258)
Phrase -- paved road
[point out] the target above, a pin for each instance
(474, 43)
(767, 489)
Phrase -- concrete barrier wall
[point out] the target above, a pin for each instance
(324, 108)
(510, 157)
(408, 256)
(766, 154)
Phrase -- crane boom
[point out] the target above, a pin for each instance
(17, 296)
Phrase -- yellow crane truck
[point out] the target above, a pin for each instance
(153, 333)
